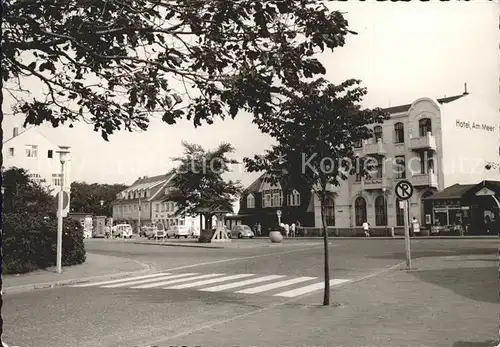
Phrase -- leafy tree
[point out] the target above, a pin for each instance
(315, 132)
(22, 195)
(86, 197)
(198, 185)
(115, 64)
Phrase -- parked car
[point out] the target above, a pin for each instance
(178, 231)
(123, 231)
(154, 233)
(240, 231)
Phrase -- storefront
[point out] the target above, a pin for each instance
(460, 208)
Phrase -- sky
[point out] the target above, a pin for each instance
(403, 51)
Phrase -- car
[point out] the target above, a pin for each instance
(123, 231)
(240, 231)
(178, 231)
(154, 233)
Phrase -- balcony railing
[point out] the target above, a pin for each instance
(424, 142)
(377, 148)
(427, 179)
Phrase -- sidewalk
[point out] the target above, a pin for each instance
(96, 267)
(448, 301)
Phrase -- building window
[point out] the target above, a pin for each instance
(277, 198)
(400, 169)
(250, 201)
(377, 133)
(31, 151)
(400, 214)
(358, 144)
(399, 133)
(163, 207)
(11, 151)
(426, 157)
(57, 180)
(266, 199)
(294, 198)
(329, 212)
(360, 211)
(424, 126)
(50, 154)
(380, 211)
(375, 168)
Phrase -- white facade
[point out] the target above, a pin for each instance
(440, 143)
(31, 150)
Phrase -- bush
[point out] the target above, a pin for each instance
(206, 236)
(30, 242)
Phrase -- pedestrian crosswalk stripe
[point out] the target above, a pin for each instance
(121, 280)
(167, 283)
(149, 280)
(271, 286)
(307, 289)
(241, 283)
(213, 280)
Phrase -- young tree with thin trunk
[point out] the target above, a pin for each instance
(198, 185)
(315, 132)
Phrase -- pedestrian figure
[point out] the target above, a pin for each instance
(292, 229)
(366, 228)
(287, 229)
(259, 229)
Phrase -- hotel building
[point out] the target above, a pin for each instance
(434, 144)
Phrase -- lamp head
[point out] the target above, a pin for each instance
(101, 202)
(63, 155)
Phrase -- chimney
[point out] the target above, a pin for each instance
(15, 132)
(465, 89)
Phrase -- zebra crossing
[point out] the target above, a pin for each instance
(249, 284)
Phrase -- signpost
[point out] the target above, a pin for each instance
(404, 191)
(278, 213)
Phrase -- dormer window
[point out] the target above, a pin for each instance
(250, 201)
(294, 198)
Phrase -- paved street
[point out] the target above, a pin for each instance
(267, 296)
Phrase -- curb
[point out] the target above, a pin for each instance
(392, 238)
(178, 245)
(54, 284)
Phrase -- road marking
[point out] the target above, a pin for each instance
(271, 286)
(167, 283)
(241, 283)
(149, 280)
(307, 289)
(267, 308)
(214, 280)
(93, 284)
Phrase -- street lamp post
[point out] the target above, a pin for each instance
(62, 159)
(139, 214)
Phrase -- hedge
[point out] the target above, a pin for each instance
(30, 242)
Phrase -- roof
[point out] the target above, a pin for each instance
(32, 129)
(405, 108)
(255, 186)
(148, 182)
(455, 191)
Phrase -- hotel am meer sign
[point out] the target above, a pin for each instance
(475, 126)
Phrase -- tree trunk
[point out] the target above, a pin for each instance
(201, 223)
(326, 295)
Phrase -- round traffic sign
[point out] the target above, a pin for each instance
(278, 213)
(403, 190)
(65, 199)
